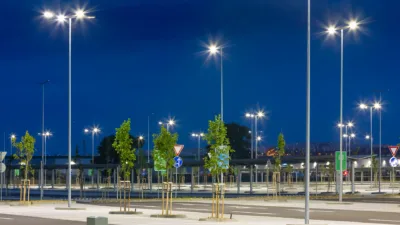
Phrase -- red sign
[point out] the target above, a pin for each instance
(345, 173)
(393, 150)
(178, 149)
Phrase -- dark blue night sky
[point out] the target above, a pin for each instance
(144, 56)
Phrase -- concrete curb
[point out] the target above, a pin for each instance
(125, 213)
(173, 216)
(71, 208)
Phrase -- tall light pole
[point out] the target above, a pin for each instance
(352, 25)
(308, 103)
(213, 50)
(198, 136)
(148, 137)
(93, 131)
(61, 18)
(376, 106)
(352, 135)
(43, 137)
(12, 138)
(254, 152)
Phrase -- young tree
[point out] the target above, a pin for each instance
(164, 143)
(123, 146)
(219, 147)
(25, 150)
(280, 152)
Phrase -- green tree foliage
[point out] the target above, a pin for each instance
(239, 139)
(25, 150)
(123, 145)
(216, 138)
(164, 143)
(280, 152)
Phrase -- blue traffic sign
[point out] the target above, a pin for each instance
(178, 161)
(393, 162)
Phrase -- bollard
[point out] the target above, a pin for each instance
(93, 220)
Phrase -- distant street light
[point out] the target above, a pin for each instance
(376, 106)
(44, 135)
(352, 25)
(169, 123)
(61, 18)
(198, 136)
(254, 116)
(93, 131)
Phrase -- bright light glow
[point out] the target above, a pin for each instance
(48, 15)
(193, 135)
(248, 115)
(201, 134)
(315, 164)
(80, 14)
(73, 163)
(213, 49)
(353, 135)
(327, 163)
(171, 122)
(260, 114)
(160, 123)
(377, 105)
(350, 124)
(141, 137)
(86, 130)
(363, 106)
(47, 134)
(331, 30)
(340, 125)
(353, 25)
(345, 135)
(367, 137)
(12, 136)
(258, 138)
(96, 130)
(61, 18)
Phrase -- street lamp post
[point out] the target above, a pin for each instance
(198, 136)
(61, 18)
(352, 135)
(353, 25)
(148, 137)
(43, 140)
(254, 152)
(43, 180)
(376, 106)
(93, 131)
(213, 49)
(12, 138)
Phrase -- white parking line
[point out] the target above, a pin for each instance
(5, 218)
(186, 204)
(253, 213)
(143, 206)
(240, 207)
(379, 220)
(184, 209)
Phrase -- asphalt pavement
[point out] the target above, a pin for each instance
(24, 220)
(274, 211)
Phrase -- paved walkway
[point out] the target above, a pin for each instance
(48, 211)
